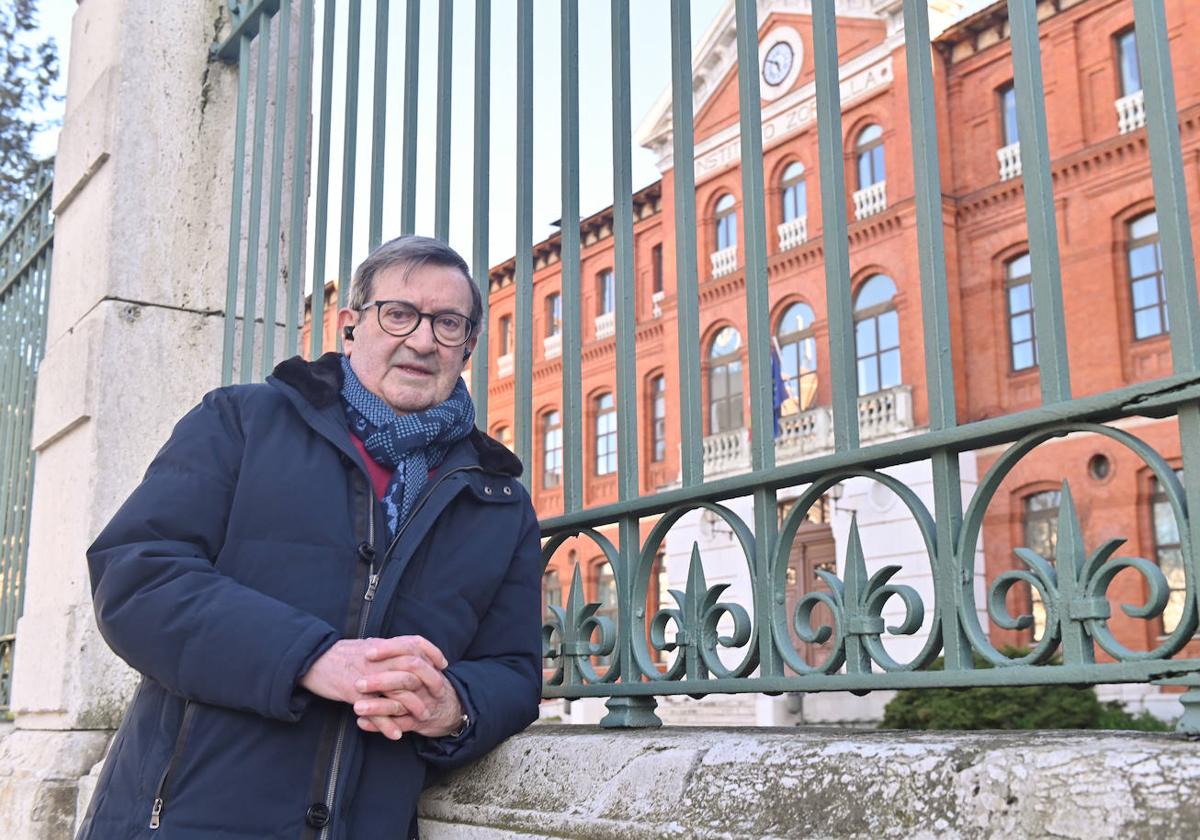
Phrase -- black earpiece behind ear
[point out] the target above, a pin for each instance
(347, 333)
(466, 354)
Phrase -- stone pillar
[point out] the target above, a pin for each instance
(141, 200)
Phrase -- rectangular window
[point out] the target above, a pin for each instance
(606, 293)
(505, 335)
(606, 596)
(1022, 337)
(552, 449)
(656, 269)
(1147, 286)
(1039, 522)
(553, 314)
(606, 435)
(1127, 63)
(658, 422)
(1008, 114)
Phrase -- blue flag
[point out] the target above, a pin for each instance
(778, 388)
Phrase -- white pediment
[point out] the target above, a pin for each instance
(715, 56)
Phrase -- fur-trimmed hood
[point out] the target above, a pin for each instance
(320, 384)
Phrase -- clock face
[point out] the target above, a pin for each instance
(778, 63)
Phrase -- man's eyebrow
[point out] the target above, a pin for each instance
(452, 309)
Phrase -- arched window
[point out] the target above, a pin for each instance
(658, 418)
(1018, 291)
(606, 434)
(798, 357)
(551, 591)
(1169, 554)
(552, 449)
(877, 335)
(868, 151)
(606, 596)
(726, 222)
(795, 192)
(1147, 288)
(725, 382)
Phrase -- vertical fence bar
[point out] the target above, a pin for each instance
(1050, 325)
(279, 117)
(408, 162)
(295, 264)
(762, 404)
(687, 295)
(378, 124)
(843, 373)
(622, 133)
(321, 212)
(572, 357)
(249, 300)
(14, 305)
(349, 150)
(482, 196)
(235, 222)
(523, 403)
(441, 209)
(935, 319)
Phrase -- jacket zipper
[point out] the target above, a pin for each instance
(160, 794)
(369, 598)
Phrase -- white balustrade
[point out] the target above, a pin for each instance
(552, 346)
(727, 452)
(1131, 112)
(656, 300)
(793, 233)
(1010, 161)
(504, 365)
(885, 413)
(606, 325)
(724, 261)
(870, 200)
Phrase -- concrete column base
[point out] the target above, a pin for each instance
(40, 775)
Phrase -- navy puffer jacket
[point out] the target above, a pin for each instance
(242, 557)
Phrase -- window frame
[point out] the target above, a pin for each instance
(1120, 40)
(797, 339)
(604, 461)
(873, 313)
(1028, 518)
(606, 292)
(731, 400)
(872, 152)
(553, 306)
(1005, 93)
(552, 478)
(1157, 498)
(1160, 303)
(656, 392)
(504, 331)
(1011, 282)
(791, 187)
(725, 222)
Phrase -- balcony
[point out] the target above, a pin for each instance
(870, 200)
(793, 233)
(552, 346)
(724, 261)
(656, 300)
(1010, 161)
(606, 325)
(504, 365)
(1131, 112)
(880, 415)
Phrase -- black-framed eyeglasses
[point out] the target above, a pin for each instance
(450, 329)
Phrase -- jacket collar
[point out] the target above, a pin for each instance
(319, 384)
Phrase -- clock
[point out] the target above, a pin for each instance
(777, 63)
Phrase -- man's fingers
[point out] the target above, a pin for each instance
(402, 703)
(381, 649)
(430, 677)
(386, 681)
(389, 727)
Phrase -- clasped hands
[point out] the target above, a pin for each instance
(395, 685)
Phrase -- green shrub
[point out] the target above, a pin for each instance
(1022, 707)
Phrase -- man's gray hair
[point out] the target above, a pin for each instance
(412, 252)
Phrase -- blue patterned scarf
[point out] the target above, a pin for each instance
(411, 445)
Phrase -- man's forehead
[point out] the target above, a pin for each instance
(426, 285)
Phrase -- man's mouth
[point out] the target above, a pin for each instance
(413, 370)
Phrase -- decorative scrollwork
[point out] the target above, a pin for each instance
(568, 635)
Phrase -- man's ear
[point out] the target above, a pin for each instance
(347, 320)
(470, 348)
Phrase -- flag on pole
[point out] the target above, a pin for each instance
(778, 387)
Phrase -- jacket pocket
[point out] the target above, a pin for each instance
(163, 789)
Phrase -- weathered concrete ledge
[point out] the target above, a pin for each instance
(583, 782)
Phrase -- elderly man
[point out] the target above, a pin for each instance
(329, 583)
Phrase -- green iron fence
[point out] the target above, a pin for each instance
(25, 249)
(707, 630)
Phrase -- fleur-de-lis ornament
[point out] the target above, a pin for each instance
(567, 637)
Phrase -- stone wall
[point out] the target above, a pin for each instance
(582, 782)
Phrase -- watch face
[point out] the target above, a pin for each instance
(777, 63)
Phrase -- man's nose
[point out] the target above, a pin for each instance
(421, 339)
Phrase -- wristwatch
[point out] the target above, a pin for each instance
(463, 723)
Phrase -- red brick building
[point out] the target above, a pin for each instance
(1111, 269)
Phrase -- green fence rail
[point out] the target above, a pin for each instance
(715, 645)
(25, 249)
